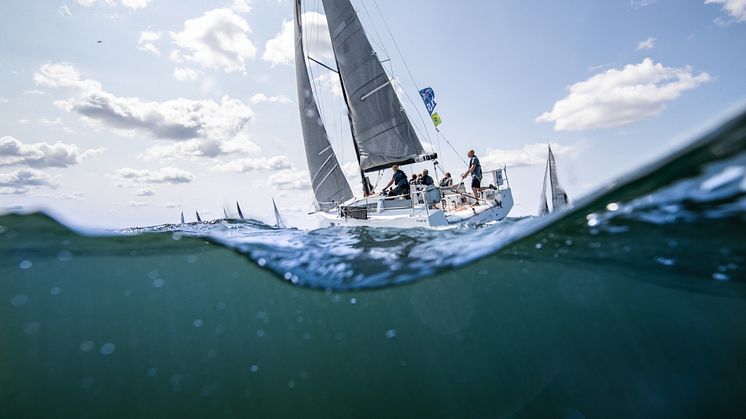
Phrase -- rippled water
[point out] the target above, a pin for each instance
(629, 304)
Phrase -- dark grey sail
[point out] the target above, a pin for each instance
(383, 134)
(559, 196)
(329, 184)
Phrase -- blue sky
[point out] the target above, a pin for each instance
(187, 105)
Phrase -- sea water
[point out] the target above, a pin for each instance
(632, 303)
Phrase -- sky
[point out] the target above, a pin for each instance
(190, 105)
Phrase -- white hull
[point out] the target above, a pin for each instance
(423, 216)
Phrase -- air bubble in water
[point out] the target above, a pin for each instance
(19, 300)
(108, 348)
(719, 276)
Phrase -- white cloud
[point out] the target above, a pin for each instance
(330, 82)
(185, 74)
(290, 181)
(3, 100)
(176, 119)
(255, 165)
(136, 204)
(170, 175)
(352, 173)
(735, 8)
(147, 42)
(281, 48)
(130, 4)
(50, 122)
(64, 11)
(22, 180)
(136, 4)
(146, 192)
(262, 98)
(40, 155)
(621, 96)
(639, 4)
(192, 149)
(646, 44)
(216, 40)
(241, 6)
(528, 155)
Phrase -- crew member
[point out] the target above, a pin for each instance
(475, 169)
(446, 181)
(399, 180)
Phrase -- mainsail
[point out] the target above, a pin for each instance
(383, 134)
(329, 184)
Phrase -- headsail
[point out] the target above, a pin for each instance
(543, 205)
(329, 184)
(199, 219)
(559, 197)
(383, 134)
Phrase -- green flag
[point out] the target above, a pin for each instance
(436, 119)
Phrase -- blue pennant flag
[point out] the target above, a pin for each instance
(428, 96)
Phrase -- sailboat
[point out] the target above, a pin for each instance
(240, 213)
(383, 136)
(559, 196)
(279, 223)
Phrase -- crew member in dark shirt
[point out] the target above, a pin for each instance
(475, 169)
(426, 180)
(399, 180)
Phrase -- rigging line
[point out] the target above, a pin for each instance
(406, 66)
(451, 145)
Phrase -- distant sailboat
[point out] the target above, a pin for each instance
(559, 196)
(199, 219)
(182, 217)
(240, 213)
(279, 223)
